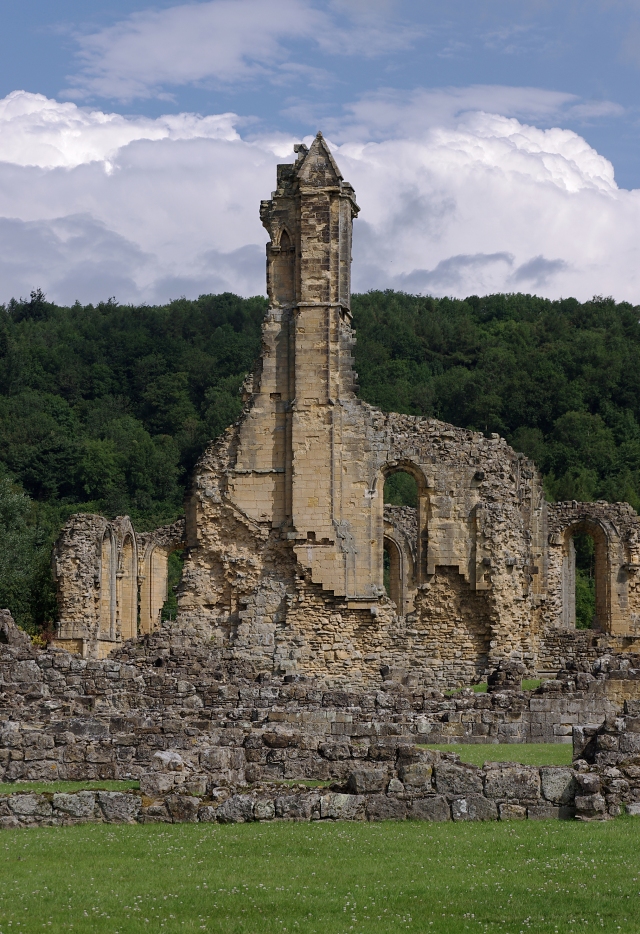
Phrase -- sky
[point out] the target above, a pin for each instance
(493, 146)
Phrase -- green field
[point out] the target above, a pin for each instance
(526, 753)
(323, 878)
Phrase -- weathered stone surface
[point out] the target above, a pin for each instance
(263, 810)
(381, 807)
(294, 807)
(473, 807)
(208, 814)
(82, 804)
(281, 739)
(222, 759)
(512, 782)
(417, 776)
(12, 635)
(509, 811)
(337, 806)
(183, 808)
(30, 806)
(435, 808)
(590, 807)
(195, 785)
(367, 781)
(334, 751)
(238, 809)
(457, 779)
(26, 671)
(155, 784)
(630, 743)
(154, 814)
(87, 728)
(167, 761)
(118, 808)
(558, 785)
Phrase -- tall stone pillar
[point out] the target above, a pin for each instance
(309, 219)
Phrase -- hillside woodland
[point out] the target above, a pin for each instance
(106, 408)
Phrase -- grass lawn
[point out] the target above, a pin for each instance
(10, 788)
(322, 878)
(526, 753)
(529, 684)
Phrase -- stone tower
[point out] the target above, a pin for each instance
(293, 436)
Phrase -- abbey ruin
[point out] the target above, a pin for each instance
(286, 529)
(317, 627)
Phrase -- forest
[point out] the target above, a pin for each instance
(105, 408)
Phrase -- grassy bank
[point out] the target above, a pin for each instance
(323, 878)
(525, 753)
(12, 788)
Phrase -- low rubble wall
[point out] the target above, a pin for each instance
(68, 718)
(415, 784)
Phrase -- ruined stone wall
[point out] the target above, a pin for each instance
(396, 781)
(472, 562)
(285, 521)
(615, 529)
(65, 717)
(400, 784)
(286, 524)
(106, 576)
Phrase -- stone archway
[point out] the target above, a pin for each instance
(399, 571)
(594, 530)
(108, 558)
(406, 526)
(154, 550)
(611, 571)
(128, 588)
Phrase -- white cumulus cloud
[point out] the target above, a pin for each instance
(223, 41)
(465, 201)
(37, 131)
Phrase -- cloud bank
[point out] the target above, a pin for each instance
(455, 200)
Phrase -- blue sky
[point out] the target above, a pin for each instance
(526, 111)
(587, 49)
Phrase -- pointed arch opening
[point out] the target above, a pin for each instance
(175, 564)
(128, 590)
(107, 588)
(404, 506)
(393, 576)
(284, 268)
(585, 577)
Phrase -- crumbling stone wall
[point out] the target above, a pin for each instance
(615, 529)
(65, 717)
(408, 784)
(104, 571)
(285, 521)
(398, 782)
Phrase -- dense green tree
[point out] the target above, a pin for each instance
(106, 408)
